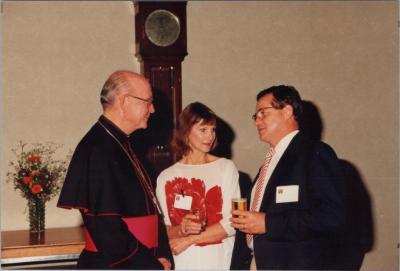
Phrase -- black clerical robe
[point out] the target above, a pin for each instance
(108, 185)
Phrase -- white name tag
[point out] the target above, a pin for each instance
(288, 193)
(183, 202)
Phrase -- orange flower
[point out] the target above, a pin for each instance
(35, 172)
(27, 180)
(36, 189)
(34, 158)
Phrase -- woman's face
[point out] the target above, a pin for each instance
(201, 137)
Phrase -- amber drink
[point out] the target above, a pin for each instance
(239, 204)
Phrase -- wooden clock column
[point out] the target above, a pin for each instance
(161, 47)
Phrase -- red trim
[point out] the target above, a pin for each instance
(90, 246)
(126, 258)
(73, 207)
(86, 211)
(103, 214)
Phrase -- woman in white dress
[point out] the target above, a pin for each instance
(195, 194)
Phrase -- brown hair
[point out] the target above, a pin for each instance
(192, 114)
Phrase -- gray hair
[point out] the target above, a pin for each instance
(117, 82)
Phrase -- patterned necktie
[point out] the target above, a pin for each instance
(259, 186)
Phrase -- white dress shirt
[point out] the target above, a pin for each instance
(280, 148)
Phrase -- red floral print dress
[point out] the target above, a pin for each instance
(211, 187)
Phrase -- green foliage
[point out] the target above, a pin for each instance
(35, 173)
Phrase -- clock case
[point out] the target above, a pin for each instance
(162, 67)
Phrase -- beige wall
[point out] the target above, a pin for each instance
(342, 56)
(56, 57)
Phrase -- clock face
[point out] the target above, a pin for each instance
(162, 27)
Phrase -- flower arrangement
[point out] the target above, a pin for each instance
(38, 177)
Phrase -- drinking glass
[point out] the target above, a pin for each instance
(239, 204)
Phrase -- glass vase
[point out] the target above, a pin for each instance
(36, 215)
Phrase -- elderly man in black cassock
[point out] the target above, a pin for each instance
(109, 186)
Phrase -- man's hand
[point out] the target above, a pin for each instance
(178, 245)
(166, 263)
(248, 221)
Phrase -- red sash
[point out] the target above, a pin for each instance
(144, 228)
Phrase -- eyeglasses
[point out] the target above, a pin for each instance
(148, 100)
(260, 114)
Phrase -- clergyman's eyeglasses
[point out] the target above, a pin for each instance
(148, 100)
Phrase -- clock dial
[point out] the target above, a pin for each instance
(162, 27)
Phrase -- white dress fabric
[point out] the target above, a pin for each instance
(212, 186)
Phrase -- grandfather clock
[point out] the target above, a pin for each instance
(161, 47)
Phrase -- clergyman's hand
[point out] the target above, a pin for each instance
(165, 263)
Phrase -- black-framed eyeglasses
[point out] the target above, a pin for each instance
(260, 114)
(148, 100)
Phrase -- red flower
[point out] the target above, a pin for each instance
(36, 189)
(214, 205)
(34, 158)
(27, 180)
(196, 189)
(209, 204)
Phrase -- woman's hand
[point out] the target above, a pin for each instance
(188, 226)
(178, 245)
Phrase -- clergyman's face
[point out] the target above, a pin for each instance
(138, 104)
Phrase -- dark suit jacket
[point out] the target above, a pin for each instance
(305, 234)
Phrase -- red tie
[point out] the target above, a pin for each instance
(259, 186)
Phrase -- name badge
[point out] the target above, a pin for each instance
(288, 193)
(183, 202)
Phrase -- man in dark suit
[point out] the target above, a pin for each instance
(297, 213)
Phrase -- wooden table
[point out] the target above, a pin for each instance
(53, 245)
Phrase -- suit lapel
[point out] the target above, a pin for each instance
(282, 170)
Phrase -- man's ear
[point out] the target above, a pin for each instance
(288, 111)
(119, 103)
